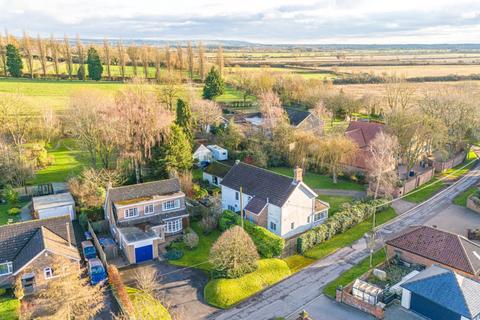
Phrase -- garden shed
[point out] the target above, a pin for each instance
(54, 205)
(367, 292)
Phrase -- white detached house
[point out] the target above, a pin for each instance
(284, 205)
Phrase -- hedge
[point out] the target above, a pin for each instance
(351, 215)
(268, 244)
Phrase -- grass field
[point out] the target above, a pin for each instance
(318, 181)
(4, 216)
(9, 308)
(335, 202)
(461, 199)
(297, 262)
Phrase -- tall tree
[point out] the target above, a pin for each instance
(214, 85)
(3, 55)
(67, 55)
(27, 49)
(95, 67)
(81, 55)
(169, 90)
(145, 58)
(190, 60)
(220, 60)
(132, 52)
(53, 45)
(272, 112)
(158, 62)
(81, 74)
(177, 151)
(168, 58)
(180, 62)
(14, 61)
(108, 58)
(205, 113)
(121, 59)
(184, 119)
(14, 168)
(201, 61)
(42, 54)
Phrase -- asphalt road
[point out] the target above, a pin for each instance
(289, 297)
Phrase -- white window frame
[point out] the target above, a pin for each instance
(130, 213)
(273, 226)
(9, 265)
(319, 216)
(147, 210)
(173, 226)
(48, 273)
(166, 206)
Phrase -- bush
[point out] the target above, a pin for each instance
(83, 220)
(14, 211)
(119, 289)
(173, 254)
(228, 219)
(190, 239)
(11, 195)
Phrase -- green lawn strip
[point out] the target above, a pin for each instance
(458, 171)
(224, 293)
(146, 306)
(297, 262)
(461, 199)
(425, 191)
(196, 257)
(232, 94)
(348, 237)
(335, 202)
(353, 273)
(4, 216)
(68, 160)
(318, 181)
(9, 308)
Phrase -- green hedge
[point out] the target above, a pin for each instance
(268, 244)
(351, 215)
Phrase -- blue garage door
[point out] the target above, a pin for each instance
(430, 309)
(143, 253)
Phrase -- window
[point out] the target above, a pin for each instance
(231, 208)
(237, 196)
(273, 226)
(130, 213)
(320, 216)
(308, 219)
(6, 268)
(174, 226)
(171, 205)
(292, 225)
(149, 209)
(48, 273)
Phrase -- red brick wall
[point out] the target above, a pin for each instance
(345, 297)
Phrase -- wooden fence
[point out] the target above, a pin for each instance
(98, 246)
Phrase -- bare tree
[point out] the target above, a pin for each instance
(201, 61)
(42, 54)
(168, 58)
(180, 62)
(145, 58)
(271, 108)
(169, 90)
(27, 48)
(3, 54)
(50, 125)
(106, 50)
(399, 94)
(67, 55)
(382, 164)
(53, 44)
(80, 53)
(220, 60)
(301, 148)
(132, 52)
(205, 113)
(16, 118)
(190, 60)
(158, 62)
(147, 280)
(121, 59)
(244, 82)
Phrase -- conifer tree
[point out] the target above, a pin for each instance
(184, 119)
(95, 67)
(14, 61)
(178, 151)
(214, 85)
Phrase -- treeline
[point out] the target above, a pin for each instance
(66, 59)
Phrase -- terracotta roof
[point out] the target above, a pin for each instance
(363, 132)
(443, 247)
(320, 205)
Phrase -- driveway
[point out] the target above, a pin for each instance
(464, 218)
(180, 289)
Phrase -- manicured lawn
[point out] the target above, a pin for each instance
(318, 181)
(224, 293)
(4, 216)
(461, 199)
(353, 273)
(335, 202)
(231, 95)
(425, 192)
(297, 262)
(146, 306)
(348, 237)
(9, 308)
(456, 172)
(68, 161)
(197, 257)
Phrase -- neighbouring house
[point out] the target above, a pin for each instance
(362, 133)
(215, 172)
(218, 153)
(202, 154)
(441, 294)
(284, 205)
(427, 246)
(28, 250)
(142, 216)
(54, 205)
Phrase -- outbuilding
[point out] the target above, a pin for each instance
(54, 205)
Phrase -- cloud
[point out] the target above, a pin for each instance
(266, 21)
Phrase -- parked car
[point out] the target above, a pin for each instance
(88, 250)
(96, 271)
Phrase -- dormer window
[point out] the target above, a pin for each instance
(6, 268)
(131, 213)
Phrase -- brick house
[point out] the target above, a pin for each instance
(29, 250)
(142, 216)
(428, 246)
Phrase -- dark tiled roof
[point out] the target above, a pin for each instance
(256, 205)
(296, 116)
(258, 182)
(363, 132)
(217, 169)
(440, 246)
(447, 289)
(14, 237)
(151, 219)
(147, 189)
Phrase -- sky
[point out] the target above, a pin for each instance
(261, 21)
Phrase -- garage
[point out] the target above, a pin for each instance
(144, 253)
(430, 309)
(54, 205)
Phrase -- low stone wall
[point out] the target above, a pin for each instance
(344, 296)
(473, 203)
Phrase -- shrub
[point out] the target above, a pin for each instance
(11, 195)
(119, 288)
(191, 239)
(14, 211)
(83, 220)
(228, 219)
(233, 254)
(173, 254)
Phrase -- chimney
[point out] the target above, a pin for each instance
(68, 235)
(298, 174)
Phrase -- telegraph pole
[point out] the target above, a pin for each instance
(241, 204)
